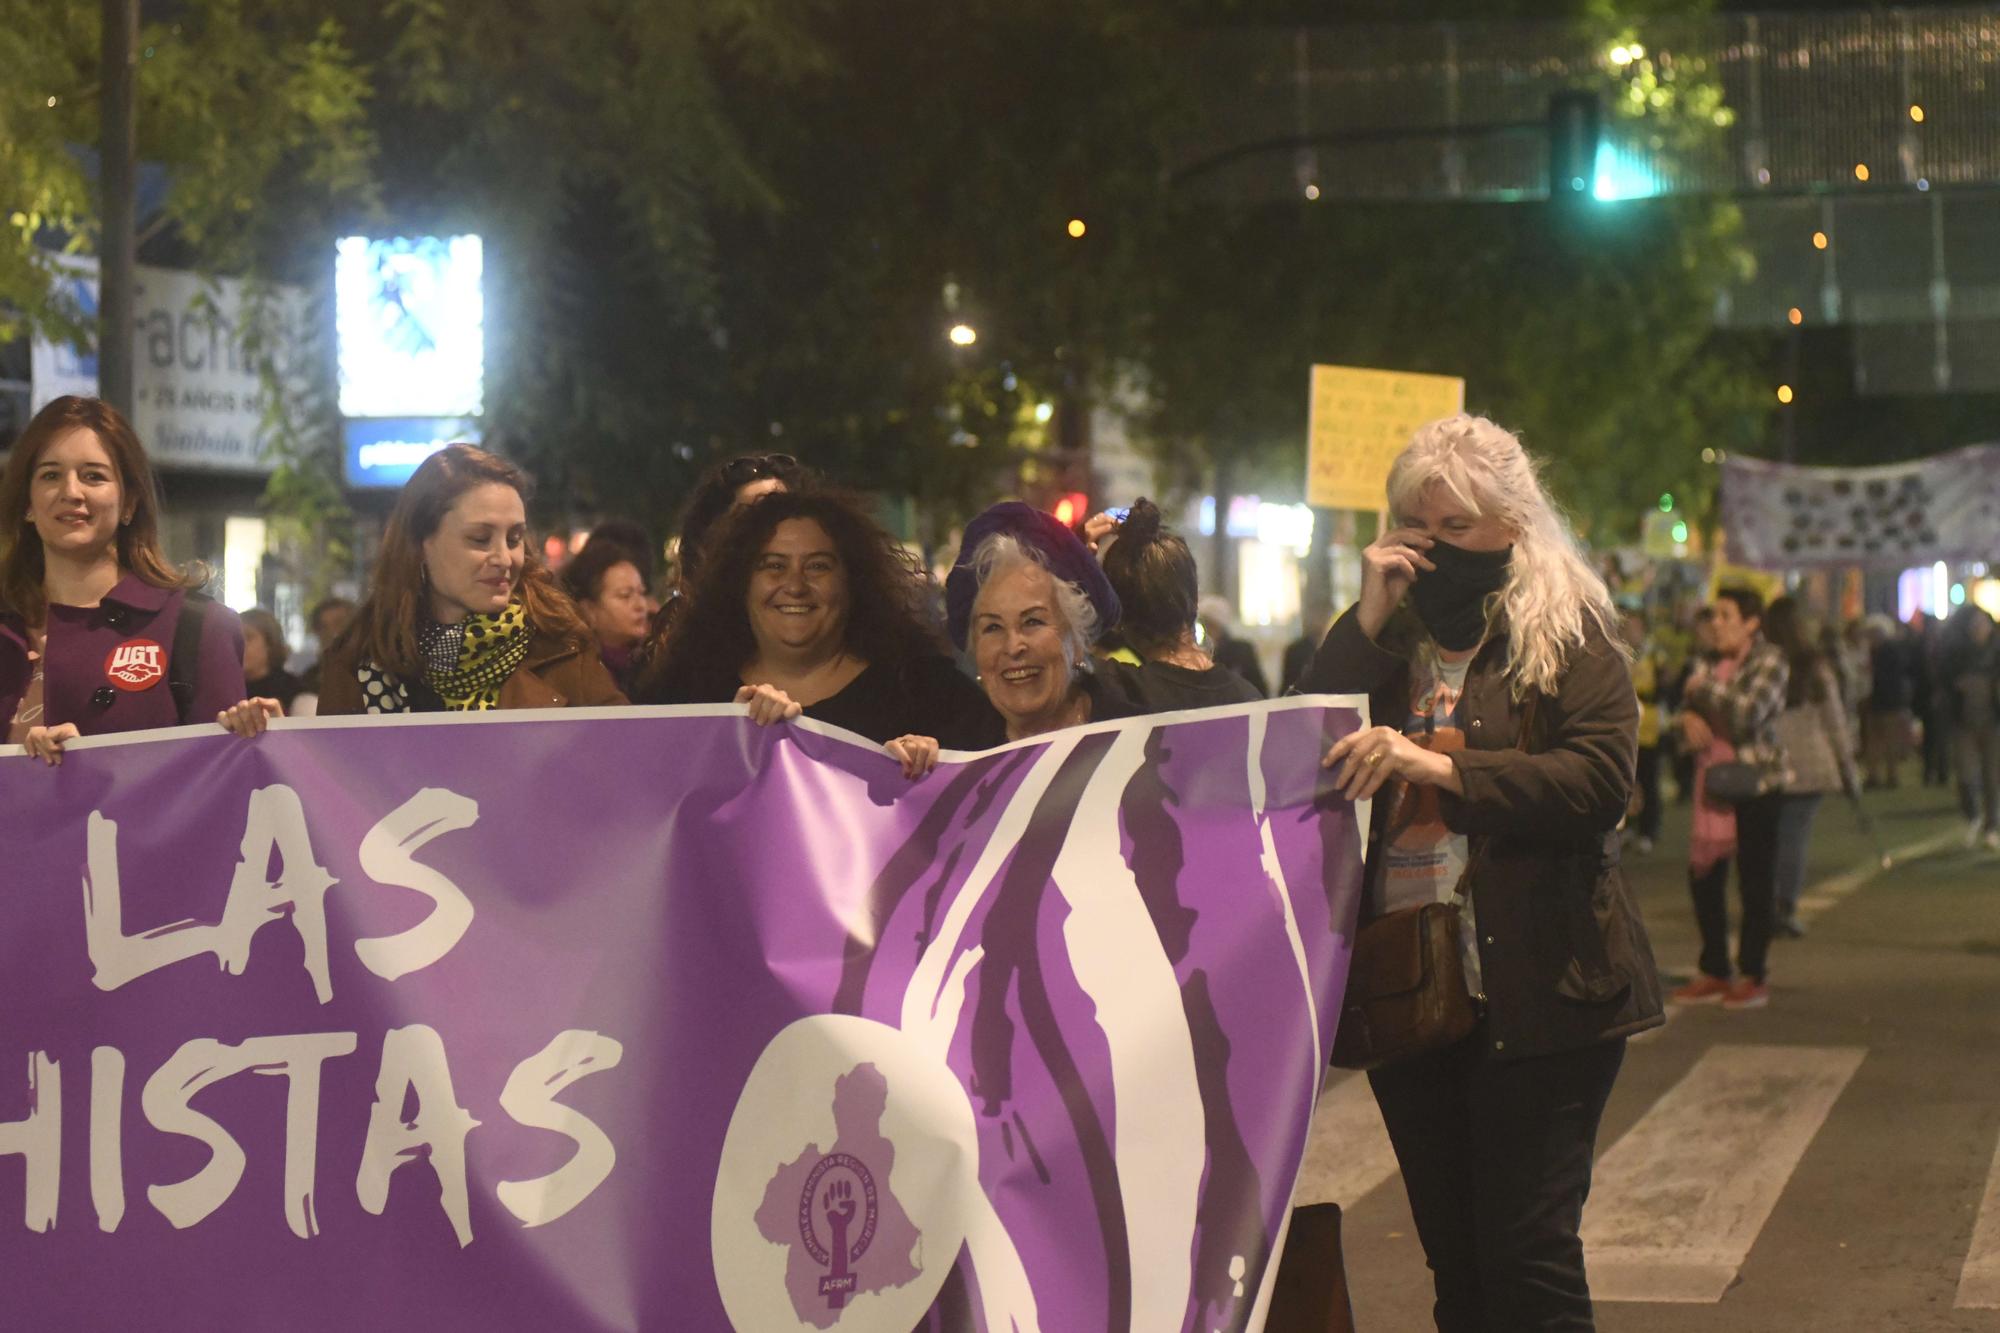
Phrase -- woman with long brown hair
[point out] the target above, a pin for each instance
(461, 615)
(99, 632)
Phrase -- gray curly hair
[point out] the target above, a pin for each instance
(1003, 552)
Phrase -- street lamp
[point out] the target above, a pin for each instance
(964, 335)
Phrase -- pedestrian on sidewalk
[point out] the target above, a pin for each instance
(1812, 733)
(1732, 717)
(1970, 670)
(1490, 648)
(1648, 668)
(1701, 650)
(1928, 700)
(1885, 734)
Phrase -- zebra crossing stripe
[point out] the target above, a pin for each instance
(1979, 1280)
(1829, 892)
(1679, 1200)
(1347, 1152)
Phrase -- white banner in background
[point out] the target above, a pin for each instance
(1782, 516)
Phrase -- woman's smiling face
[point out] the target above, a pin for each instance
(1021, 649)
(476, 556)
(797, 600)
(75, 499)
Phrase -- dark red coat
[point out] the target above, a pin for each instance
(108, 665)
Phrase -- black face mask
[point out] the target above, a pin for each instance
(1451, 599)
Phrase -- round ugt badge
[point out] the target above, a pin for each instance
(848, 1177)
(136, 664)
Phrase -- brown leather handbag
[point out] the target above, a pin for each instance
(1406, 991)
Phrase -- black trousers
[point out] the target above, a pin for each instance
(1496, 1159)
(1757, 829)
(1649, 792)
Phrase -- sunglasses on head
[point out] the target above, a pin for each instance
(742, 471)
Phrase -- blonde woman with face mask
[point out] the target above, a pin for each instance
(1501, 761)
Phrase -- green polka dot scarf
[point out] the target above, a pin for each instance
(466, 663)
(490, 648)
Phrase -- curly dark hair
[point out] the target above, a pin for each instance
(1154, 575)
(700, 656)
(715, 495)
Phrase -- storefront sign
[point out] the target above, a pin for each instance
(199, 399)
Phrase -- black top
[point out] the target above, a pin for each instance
(928, 697)
(1298, 656)
(1119, 689)
(280, 685)
(1241, 657)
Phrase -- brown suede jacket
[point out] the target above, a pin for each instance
(558, 672)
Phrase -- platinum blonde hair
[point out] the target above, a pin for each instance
(1552, 596)
(1003, 552)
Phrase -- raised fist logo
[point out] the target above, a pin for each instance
(841, 1202)
(839, 1210)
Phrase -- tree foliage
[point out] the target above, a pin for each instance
(254, 109)
(722, 225)
(1588, 327)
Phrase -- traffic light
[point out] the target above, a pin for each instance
(1574, 124)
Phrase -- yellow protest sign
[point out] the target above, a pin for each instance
(1359, 421)
(1763, 582)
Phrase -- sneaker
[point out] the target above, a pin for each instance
(1791, 927)
(1992, 840)
(1744, 993)
(1704, 989)
(1644, 845)
(1974, 833)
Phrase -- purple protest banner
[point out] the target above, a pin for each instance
(650, 1019)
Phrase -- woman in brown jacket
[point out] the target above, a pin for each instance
(1501, 761)
(461, 615)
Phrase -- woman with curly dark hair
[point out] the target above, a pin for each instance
(804, 604)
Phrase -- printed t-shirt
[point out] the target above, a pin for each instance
(1425, 860)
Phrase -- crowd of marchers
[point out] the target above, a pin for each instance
(1500, 763)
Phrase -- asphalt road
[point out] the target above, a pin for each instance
(1827, 1163)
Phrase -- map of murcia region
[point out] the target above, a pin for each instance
(844, 1232)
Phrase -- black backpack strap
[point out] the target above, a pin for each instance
(184, 663)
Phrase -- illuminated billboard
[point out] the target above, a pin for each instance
(384, 451)
(411, 321)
